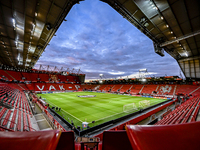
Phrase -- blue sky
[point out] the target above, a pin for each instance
(98, 40)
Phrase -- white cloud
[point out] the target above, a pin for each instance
(98, 40)
(138, 75)
(116, 73)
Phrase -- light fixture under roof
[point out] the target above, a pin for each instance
(171, 32)
(20, 63)
(28, 60)
(186, 54)
(167, 25)
(14, 22)
(33, 29)
(161, 18)
(36, 14)
(31, 49)
(155, 8)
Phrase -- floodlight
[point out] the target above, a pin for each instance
(143, 69)
(144, 80)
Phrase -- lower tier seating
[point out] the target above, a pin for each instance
(44, 140)
(170, 137)
(187, 112)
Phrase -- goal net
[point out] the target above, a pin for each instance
(130, 108)
(144, 104)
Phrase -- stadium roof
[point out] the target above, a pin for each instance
(26, 27)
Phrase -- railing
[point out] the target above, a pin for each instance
(29, 128)
(4, 128)
(54, 124)
(102, 126)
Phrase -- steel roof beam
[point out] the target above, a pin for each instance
(180, 38)
(6, 30)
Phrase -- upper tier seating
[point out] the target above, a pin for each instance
(90, 87)
(43, 76)
(62, 78)
(5, 75)
(125, 88)
(53, 77)
(76, 79)
(149, 89)
(102, 87)
(136, 89)
(186, 89)
(34, 76)
(70, 78)
(108, 87)
(166, 89)
(15, 74)
(116, 87)
(27, 76)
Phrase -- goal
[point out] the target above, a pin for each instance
(129, 108)
(144, 104)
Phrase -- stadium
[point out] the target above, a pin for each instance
(52, 108)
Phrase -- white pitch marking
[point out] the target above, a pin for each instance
(67, 112)
(107, 116)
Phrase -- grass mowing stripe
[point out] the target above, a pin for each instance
(68, 113)
(118, 113)
(102, 108)
(108, 110)
(107, 117)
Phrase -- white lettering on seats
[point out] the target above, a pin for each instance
(52, 87)
(77, 87)
(41, 89)
(61, 87)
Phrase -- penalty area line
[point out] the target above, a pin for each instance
(108, 116)
(68, 113)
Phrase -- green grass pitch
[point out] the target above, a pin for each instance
(102, 108)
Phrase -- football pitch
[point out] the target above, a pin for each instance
(77, 108)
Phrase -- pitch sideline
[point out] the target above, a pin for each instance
(68, 113)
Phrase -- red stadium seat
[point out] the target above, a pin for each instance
(15, 75)
(66, 141)
(125, 88)
(169, 137)
(43, 77)
(115, 140)
(44, 140)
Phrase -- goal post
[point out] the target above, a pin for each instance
(144, 104)
(129, 108)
